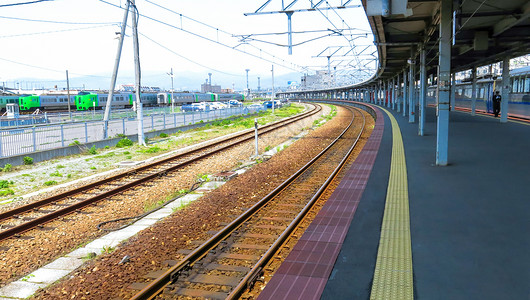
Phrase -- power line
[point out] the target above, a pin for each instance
(275, 61)
(60, 22)
(54, 31)
(23, 3)
(48, 69)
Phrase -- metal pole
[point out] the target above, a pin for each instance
(272, 95)
(398, 93)
(68, 93)
(289, 33)
(248, 90)
(137, 72)
(412, 106)
(474, 91)
(505, 89)
(405, 93)
(115, 72)
(172, 100)
(423, 93)
(256, 134)
(444, 83)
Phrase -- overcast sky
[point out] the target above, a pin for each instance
(80, 35)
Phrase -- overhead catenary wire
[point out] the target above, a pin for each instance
(274, 59)
(24, 3)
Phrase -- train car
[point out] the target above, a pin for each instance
(4, 100)
(55, 102)
(227, 97)
(89, 100)
(86, 101)
(29, 102)
(178, 98)
(519, 97)
(199, 97)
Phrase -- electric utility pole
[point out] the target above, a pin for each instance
(115, 72)
(137, 72)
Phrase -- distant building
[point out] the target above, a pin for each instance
(209, 88)
(321, 79)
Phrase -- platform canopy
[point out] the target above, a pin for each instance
(484, 32)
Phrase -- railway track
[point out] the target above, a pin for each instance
(35, 215)
(228, 263)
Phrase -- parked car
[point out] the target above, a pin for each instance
(235, 103)
(218, 105)
(196, 107)
(255, 106)
(268, 104)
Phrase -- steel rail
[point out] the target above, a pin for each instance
(76, 206)
(172, 274)
(249, 279)
(37, 204)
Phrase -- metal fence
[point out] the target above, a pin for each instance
(22, 140)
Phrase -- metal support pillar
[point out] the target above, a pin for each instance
(289, 33)
(393, 93)
(398, 93)
(137, 72)
(412, 81)
(423, 93)
(453, 94)
(444, 82)
(505, 89)
(405, 94)
(474, 90)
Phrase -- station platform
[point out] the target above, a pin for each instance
(469, 221)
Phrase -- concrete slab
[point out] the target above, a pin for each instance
(20, 289)
(145, 222)
(119, 235)
(159, 214)
(100, 244)
(82, 252)
(65, 263)
(47, 276)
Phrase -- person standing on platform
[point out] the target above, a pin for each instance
(496, 103)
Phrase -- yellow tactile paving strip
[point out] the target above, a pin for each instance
(393, 269)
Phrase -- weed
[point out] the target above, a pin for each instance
(60, 167)
(6, 192)
(203, 177)
(4, 184)
(93, 150)
(154, 149)
(51, 182)
(267, 148)
(89, 255)
(56, 174)
(7, 168)
(69, 176)
(74, 143)
(126, 152)
(28, 160)
(125, 142)
(164, 135)
(26, 175)
(107, 249)
(128, 157)
(149, 207)
(27, 277)
(106, 147)
(93, 168)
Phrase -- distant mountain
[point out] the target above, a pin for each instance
(182, 81)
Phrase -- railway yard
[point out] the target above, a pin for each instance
(120, 272)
